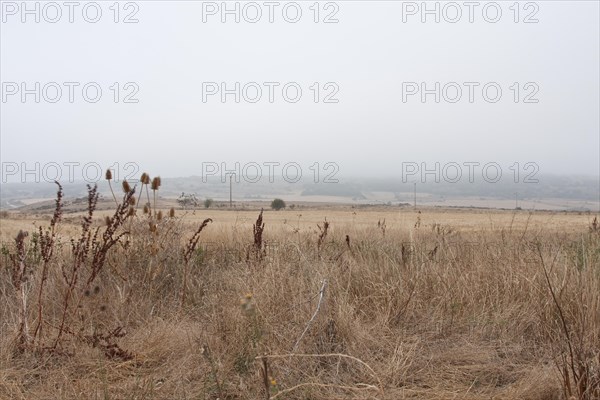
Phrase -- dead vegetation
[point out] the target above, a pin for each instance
(150, 306)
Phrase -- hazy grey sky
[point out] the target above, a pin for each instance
(369, 54)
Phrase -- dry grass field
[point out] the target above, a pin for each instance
(319, 303)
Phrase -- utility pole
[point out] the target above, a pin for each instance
(415, 190)
(230, 191)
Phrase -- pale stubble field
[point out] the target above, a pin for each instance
(388, 303)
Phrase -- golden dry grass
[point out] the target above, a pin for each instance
(442, 304)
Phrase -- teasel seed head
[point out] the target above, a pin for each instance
(145, 179)
(146, 209)
(126, 187)
(108, 175)
(155, 183)
(21, 235)
(131, 212)
(132, 201)
(172, 212)
(159, 216)
(152, 226)
(107, 220)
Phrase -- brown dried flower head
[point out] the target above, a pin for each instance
(126, 187)
(21, 235)
(145, 179)
(108, 175)
(155, 183)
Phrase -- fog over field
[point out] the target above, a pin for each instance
(353, 199)
(370, 87)
(570, 193)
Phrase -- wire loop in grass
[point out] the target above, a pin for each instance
(379, 386)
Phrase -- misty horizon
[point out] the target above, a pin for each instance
(171, 75)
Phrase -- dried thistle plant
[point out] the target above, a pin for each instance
(381, 225)
(418, 223)
(126, 188)
(47, 240)
(108, 176)
(144, 181)
(187, 255)
(107, 342)
(595, 225)
(155, 185)
(257, 249)
(323, 233)
(20, 280)
(90, 251)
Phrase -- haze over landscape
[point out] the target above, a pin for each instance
(171, 58)
(356, 199)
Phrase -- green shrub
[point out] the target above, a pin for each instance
(277, 204)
